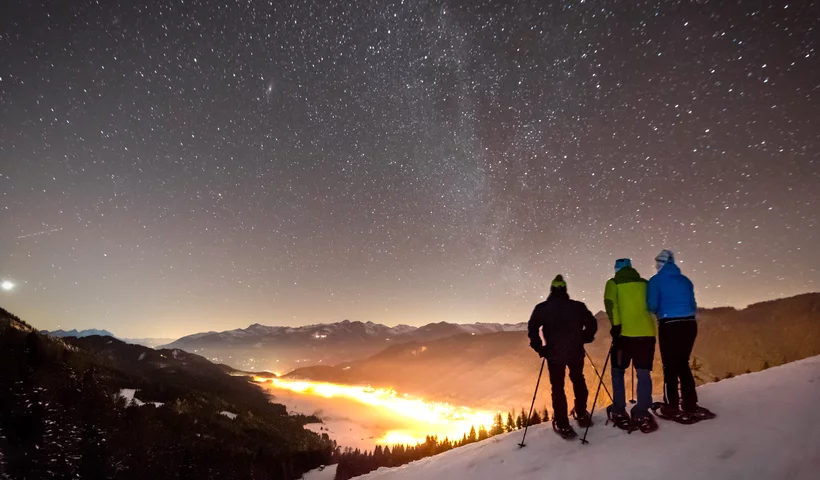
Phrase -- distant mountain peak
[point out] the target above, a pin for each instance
(79, 333)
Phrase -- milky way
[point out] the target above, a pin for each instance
(206, 165)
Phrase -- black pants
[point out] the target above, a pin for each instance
(639, 351)
(676, 342)
(557, 370)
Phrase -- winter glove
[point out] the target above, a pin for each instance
(615, 331)
(543, 352)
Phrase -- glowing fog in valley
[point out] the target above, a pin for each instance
(383, 415)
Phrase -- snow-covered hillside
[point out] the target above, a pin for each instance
(767, 427)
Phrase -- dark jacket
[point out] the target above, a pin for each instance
(567, 325)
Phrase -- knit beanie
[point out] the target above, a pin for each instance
(666, 256)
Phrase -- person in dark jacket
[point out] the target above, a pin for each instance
(671, 297)
(566, 325)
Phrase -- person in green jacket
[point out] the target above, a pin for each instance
(633, 340)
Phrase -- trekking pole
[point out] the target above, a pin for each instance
(599, 376)
(597, 391)
(632, 400)
(527, 425)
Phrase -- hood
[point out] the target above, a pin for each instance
(669, 269)
(627, 274)
(557, 294)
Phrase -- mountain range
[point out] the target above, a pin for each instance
(78, 333)
(282, 349)
(147, 342)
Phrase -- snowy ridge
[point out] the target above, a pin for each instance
(483, 328)
(766, 428)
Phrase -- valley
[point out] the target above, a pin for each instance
(361, 417)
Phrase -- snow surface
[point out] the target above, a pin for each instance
(230, 415)
(128, 395)
(767, 427)
(327, 473)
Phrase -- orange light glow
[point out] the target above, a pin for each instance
(426, 418)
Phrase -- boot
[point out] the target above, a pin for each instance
(583, 418)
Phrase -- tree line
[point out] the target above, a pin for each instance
(355, 462)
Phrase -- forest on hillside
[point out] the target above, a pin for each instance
(354, 462)
(62, 415)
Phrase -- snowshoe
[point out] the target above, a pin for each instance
(583, 418)
(699, 413)
(646, 423)
(669, 412)
(567, 432)
(621, 420)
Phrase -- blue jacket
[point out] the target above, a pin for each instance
(670, 294)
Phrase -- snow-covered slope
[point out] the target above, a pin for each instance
(767, 428)
(326, 473)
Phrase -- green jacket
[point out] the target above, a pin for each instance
(625, 303)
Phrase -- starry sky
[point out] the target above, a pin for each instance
(174, 167)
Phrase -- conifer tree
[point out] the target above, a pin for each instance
(510, 422)
(498, 425)
(472, 437)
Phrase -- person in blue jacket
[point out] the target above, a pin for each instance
(671, 297)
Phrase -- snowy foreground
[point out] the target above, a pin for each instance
(768, 427)
(327, 473)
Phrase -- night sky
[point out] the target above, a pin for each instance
(174, 167)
